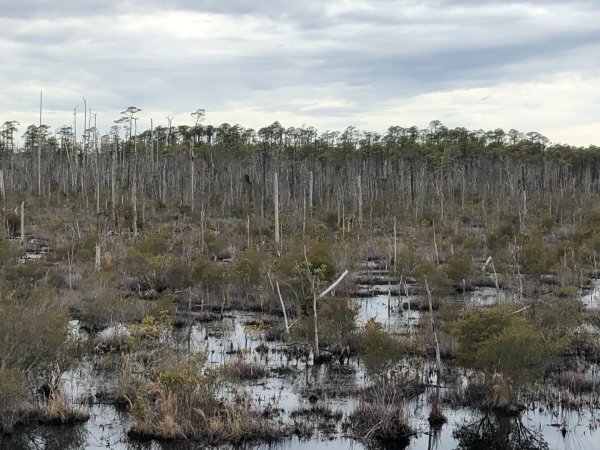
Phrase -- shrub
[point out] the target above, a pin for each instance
(536, 256)
(157, 273)
(292, 263)
(498, 340)
(33, 337)
(337, 322)
(155, 244)
(24, 275)
(378, 349)
(386, 427)
(438, 280)
(458, 267)
(249, 269)
(210, 274)
(321, 262)
(13, 222)
(519, 352)
(151, 332)
(13, 394)
(7, 252)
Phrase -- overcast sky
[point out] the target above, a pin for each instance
(529, 65)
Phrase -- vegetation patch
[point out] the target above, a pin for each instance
(182, 404)
(379, 425)
(58, 411)
(241, 370)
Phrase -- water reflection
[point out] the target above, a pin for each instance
(498, 433)
(295, 384)
(46, 438)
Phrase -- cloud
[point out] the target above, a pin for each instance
(328, 64)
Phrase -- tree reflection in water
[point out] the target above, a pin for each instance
(46, 438)
(498, 433)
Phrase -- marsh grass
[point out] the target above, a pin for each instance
(59, 411)
(239, 370)
(381, 425)
(183, 404)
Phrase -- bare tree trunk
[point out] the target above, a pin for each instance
(285, 317)
(395, 245)
(113, 181)
(303, 214)
(23, 223)
(438, 358)
(134, 201)
(39, 150)
(316, 352)
(70, 263)
(202, 230)
(248, 231)
(2, 187)
(264, 180)
(97, 263)
(276, 204)
(96, 168)
(164, 181)
(152, 147)
(192, 170)
(437, 255)
(436, 415)
(311, 183)
(360, 203)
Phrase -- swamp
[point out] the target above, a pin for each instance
(194, 287)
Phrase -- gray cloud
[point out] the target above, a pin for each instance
(342, 59)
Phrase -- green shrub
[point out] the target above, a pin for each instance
(497, 340)
(458, 267)
(321, 262)
(151, 331)
(13, 222)
(475, 327)
(7, 252)
(249, 269)
(13, 394)
(155, 244)
(210, 274)
(438, 280)
(33, 336)
(378, 349)
(337, 321)
(24, 275)
(158, 272)
(177, 275)
(519, 352)
(536, 256)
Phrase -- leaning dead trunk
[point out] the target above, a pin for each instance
(285, 317)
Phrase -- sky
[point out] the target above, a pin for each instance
(529, 65)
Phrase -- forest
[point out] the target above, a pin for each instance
(222, 286)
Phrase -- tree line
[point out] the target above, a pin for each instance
(230, 170)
